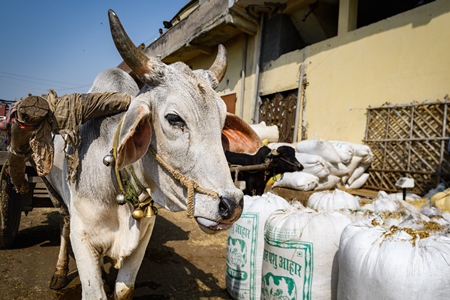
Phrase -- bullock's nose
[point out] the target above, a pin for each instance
(229, 211)
(299, 166)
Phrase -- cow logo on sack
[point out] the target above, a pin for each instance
(237, 257)
(278, 287)
(237, 252)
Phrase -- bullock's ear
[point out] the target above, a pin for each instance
(135, 134)
(238, 136)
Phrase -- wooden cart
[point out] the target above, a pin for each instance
(13, 204)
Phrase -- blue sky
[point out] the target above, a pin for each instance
(63, 45)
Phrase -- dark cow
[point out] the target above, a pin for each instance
(278, 161)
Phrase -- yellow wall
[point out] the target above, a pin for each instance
(398, 60)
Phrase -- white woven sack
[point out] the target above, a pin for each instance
(345, 150)
(333, 201)
(298, 181)
(363, 151)
(391, 212)
(357, 172)
(359, 182)
(338, 169)
(266, 132)
(245, 246)
(329, 183)
(360, 214)
(388, 263)
(313, 164)
(273, 146)
(319, 147)
(354, 163)
(300, 251)
(409, 196)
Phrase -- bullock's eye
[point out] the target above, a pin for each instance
(175, 120)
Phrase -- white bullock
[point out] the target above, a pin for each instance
(168, 144)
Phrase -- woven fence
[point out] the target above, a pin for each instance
(409, 141)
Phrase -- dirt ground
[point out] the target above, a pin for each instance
(181, 262)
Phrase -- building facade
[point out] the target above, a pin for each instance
(314, 67)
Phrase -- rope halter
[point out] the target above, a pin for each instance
(190, 184)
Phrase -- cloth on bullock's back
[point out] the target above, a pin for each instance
(67, 114)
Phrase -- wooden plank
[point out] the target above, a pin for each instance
(234, 168)
(386, 106)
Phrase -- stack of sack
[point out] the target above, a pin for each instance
(278, 250)
(390, 246)
(339, 246)
(327, 165)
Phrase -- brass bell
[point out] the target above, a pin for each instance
(137, 213)
(120, 199)
(150, 211)
(108, 160)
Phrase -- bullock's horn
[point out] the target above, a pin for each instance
(219, 67)
(132, 56)
(274, 152)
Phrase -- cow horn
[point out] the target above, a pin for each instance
(131, 55)
(274, 152)
(219, 67)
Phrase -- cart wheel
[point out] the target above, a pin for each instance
(10, 212)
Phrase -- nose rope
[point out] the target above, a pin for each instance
(190, 184)
(288, 162)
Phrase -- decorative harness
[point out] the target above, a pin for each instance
(143, 204)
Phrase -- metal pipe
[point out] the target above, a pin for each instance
(257, 68)
(244, 65)
(299, 102)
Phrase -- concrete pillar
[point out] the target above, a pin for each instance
(348, 14)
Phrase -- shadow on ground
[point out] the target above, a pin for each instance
(181, 262)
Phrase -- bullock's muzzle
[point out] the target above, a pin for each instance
(229, 211)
